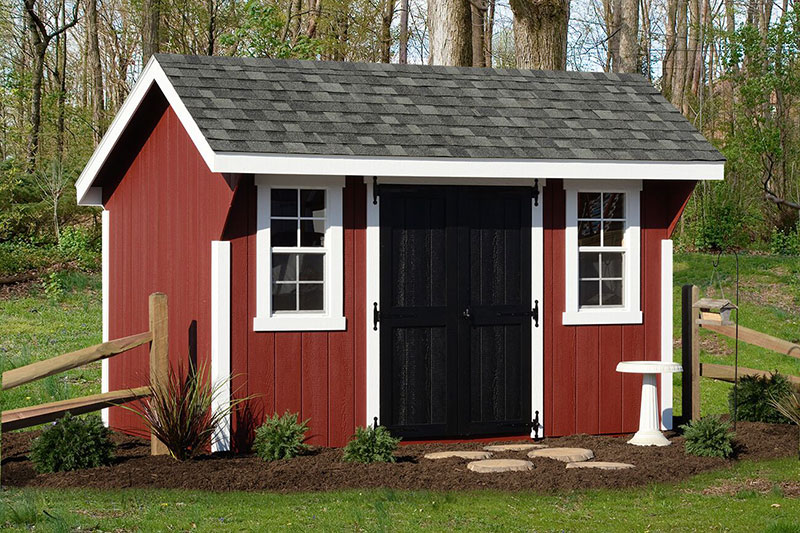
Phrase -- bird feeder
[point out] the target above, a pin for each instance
(714, 312)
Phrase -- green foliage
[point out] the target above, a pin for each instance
(178, 411)
(723, 224)
(73, 443)
(262, 33)
(371, 445)
(78, 244)
(755, 393)
(785, 243)
(708, 437)
(281, 437)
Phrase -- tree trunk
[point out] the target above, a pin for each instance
(679, 69)
(540, 33)
(403, 52)
(450, 25)
(96, 68)
(386, 31)
(668, 65)
(151, 17)
(611, 16)
(489, 35)
(37, 75)
(60, 75)
(478, 32)
(629, 37)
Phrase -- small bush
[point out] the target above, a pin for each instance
(71, 444)
(281, 437)
(79, 245)
(755, 393)
(708, 437)
(371, 445)
(789, 406)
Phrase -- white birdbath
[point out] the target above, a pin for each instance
(649, 433)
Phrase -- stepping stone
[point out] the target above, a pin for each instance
(601, 465)
(513, 447)
(566, 455)
(500, 465)
(460, 454)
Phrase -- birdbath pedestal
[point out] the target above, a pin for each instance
(649, 433)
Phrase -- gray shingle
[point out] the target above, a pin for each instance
(328, 108)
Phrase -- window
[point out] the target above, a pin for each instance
(299, 247)
(602, 252)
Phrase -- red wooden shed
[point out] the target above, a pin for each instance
(454, 251)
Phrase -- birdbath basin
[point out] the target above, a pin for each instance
(649, 433)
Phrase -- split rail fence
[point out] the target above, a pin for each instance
(692, 319)
(158, 338)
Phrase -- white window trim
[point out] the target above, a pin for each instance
(630, 312)
(332, 318)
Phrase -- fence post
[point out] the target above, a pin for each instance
(159, 353)
(690, 354)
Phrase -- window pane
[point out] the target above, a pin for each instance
(589, 266)
(613, 233)
(588, 234)
(284, 203)
(312, 233)
(312, 204)
(283, 232)
(589, 293)
(311, 297)
(612, 265)
(284, 267)
(588, 205)
(311, 267)
(284, 297)
(613, 205)
(612, 292)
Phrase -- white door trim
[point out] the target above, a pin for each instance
(105, 218)
(666, 331)
(537, 293)
(221, 341)
(373, 298)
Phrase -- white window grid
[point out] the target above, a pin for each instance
(603, 248)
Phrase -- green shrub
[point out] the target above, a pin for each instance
(789, 406)
(785, 243)
(71, 444)
(77, 244)
(755, 393)
(281, 437)
(371, 445)
(708, 437)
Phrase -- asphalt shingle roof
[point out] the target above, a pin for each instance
(245, 105)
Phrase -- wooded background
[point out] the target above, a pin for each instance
(730, 67)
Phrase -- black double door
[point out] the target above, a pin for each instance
(455, 316)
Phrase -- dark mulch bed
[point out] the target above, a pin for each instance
(322, 469)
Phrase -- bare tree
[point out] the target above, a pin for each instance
(96, 69)
(151, 29)
(387, 16)
(478, 10)
(52, 183)
(403, 52)
(540, 33)
(450, 25)
(629, 37)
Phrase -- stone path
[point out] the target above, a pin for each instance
(513, 447)
(500, 465)
(460, 454)
(566, 455)
(601, 465)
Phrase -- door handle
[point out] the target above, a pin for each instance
(466, 314)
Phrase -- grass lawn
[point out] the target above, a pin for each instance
(41, 325)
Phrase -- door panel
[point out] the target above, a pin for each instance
(455, 310)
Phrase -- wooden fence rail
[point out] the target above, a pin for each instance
(159, 367)
(691, 321)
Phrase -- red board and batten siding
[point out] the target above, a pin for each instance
(583, 392)
(165, 209)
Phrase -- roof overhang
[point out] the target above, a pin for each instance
(287, 164)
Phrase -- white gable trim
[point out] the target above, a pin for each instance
(436, 167)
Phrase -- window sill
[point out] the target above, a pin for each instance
(599, 317)
(300, 322)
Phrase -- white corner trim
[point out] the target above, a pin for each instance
(105, 287)
(537, 293)
(221, 340)
(332, 319)
(666, 331)
(373, 366)
(630, 312)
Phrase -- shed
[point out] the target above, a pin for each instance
(449, 250)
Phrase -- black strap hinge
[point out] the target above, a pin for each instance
(535, 313)
(535, 192)
(376, 316)
(375, 190)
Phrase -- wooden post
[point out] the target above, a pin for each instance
(159, 353)
(690, 354)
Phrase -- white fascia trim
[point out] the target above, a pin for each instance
(666, 331)
(631, 313)
(442, 167)
(105, 261)
(221, 341)
(537, 294)
(152, 74)
(333, 318)
(373, 370)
